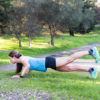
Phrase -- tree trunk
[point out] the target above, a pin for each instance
(18, 37)
(52, 40)
(71, 33)
(2, 30)
(54, 30)
(20, 43)
(52, 36)
(29, 40)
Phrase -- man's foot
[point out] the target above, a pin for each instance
(94, 52)
(94, 73)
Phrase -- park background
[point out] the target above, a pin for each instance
(41, 27)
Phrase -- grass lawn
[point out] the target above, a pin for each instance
(52, 84)
(40, 44)
(59, 85)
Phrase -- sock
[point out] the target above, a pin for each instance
(91, 70)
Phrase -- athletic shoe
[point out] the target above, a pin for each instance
(94, 52)
(94, 73)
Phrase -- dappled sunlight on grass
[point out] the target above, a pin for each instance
(58, 84)
(7, 44)
(40, 42)
(39, 45)
(4, 60)
(86, 82)
(76, 86)
(1, 41)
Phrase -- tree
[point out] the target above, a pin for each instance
(60, 15)
(47, 14)
(71, 15)
(97, 11)
(16, 23)
(78, 16)
(24, 20)
(31, 25)
(5, 7)
(88, 17)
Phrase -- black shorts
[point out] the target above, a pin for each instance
(50, 62)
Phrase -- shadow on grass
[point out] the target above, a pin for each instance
(54, 75)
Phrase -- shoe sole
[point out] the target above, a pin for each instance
(97, 59)
(96, 74)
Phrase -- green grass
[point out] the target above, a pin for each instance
(60, 85)
(74, 86)
(40, 44)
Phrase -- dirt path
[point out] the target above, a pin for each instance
(63, 53)
(82, 62)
